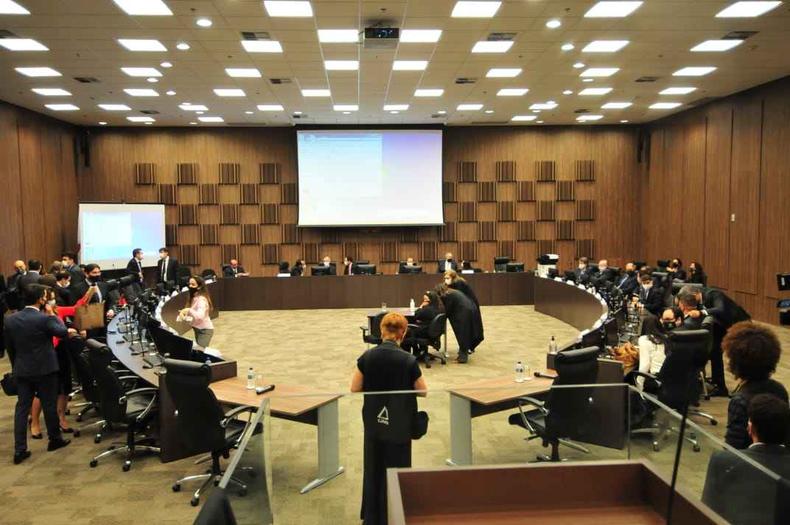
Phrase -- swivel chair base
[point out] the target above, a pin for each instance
(130, 451)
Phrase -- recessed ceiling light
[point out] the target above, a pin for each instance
(262, 46)
(288, 8)
(686, 71)
(316, 93)
(229, 92)
(488, 111)
(142, 44)
(51, 92)
(554, 23)
(152, 80)
(341, 65)
(396, 107)
(193, 123)
(269, 107)
(416, 36)
(747, 9)
(38, 72)
(469, 107)
(665, 105)
(540, 106)
(211, 119)
(182, 46)
(186, 106)
(539, 122)
(441, 112)
(166, 65)
(115, 107)
(465, 9)
(428, 92)
(409, 65)
(141, 71)
(503, 72)
(567, 92)
(677, 91)
(102, 123)
(243, 72)
(346, 112)
(249, 112)
(141, 119)
(587, 79)
(588, 118)
(605, 46)
(345, 107)
(536, 110)
(624, 121)
(204, 22)
(62, 107)
(612, 9)
(523, 118)
(8, 7)
(512, 92)
(578, 65)
(616, 105)
(199, 112)
(495, 46)
(135, 92)
(599, 72)
(332, 36)
(22, 44)
(567, 47)
(394, 112)
(716, 45)
(144, 7)
(148, 123)
(170, 93)
(595, 91)
(297, 112)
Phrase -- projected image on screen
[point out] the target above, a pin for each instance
(370, 178)
(109, 232)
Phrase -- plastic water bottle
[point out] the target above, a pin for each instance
(553, 345)
(519, 372)
(411, 305)
(250, 379)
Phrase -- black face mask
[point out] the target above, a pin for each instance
(668, 325)
(96, 279)
(631, 272)
(192, 290)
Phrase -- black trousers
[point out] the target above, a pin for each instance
(46, 388)
(716, 357)
(379, 456)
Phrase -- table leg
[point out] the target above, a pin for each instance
(460, 431)
(328, 446)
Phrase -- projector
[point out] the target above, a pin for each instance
(381, 37)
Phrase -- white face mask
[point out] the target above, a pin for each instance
(448, 281)
(52, 303)
(647, 286)
(582, 266)
(602, 268)
(326, 263)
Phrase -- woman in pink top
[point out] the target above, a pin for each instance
(197, 311)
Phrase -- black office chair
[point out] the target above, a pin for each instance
(677, 383)
(201, 423)
(560, 418)
(500, 264)
(433, 338)
(362, 261)
(88, 390)
(182, 276)
(133, 409)
(372, 335)
(208, 273)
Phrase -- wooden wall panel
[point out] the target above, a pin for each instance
(718, 149)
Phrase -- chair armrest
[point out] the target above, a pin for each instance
(235, 412)
(125, 378)
(526, 400)
(139, 391)
(149, 407)
(537, 403)
(413, 325)
(364, 329)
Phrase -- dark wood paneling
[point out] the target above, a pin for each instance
(229, 172)
(545, 170)
(718, 149)
(526, 191)
(467, 171)
(584, 170)
(145, 173)
(209, 194)
(505, 170)
(269, 172)
(186, 173)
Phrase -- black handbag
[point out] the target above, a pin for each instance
(419, 424)
(9, 384)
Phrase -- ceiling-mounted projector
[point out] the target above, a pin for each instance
(381, 37)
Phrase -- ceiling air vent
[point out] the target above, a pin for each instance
(499, 37)
(87, 80)
(302, 115)
(438, 115)
(582, 110)
(5, 33)
(738, 35)
(280, 80)
(647, 79)
(149, 112)
(465, 80)
(255, 35)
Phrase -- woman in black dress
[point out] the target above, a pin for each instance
(464, 317)
(456, 282)
(387, 417)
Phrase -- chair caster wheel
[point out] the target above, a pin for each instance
(76, 433)
(194, 502)
(68, 412)
(655, 447)
(97, 439)
(714, 423)
(94, 463)
(695, 448)
(176, 488)
(126, 467)
(243, 492)
(79, 419)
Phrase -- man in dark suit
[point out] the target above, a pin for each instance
(583, 272)
(675, 270)
(448, 263)
(688, 304)
(63, 289)
(328, 263)
(739, 491)
(627, 283)
(29, 334)
(604, 275)
(69, 261)
(135, 267)
(234, 269)
(348, 265)
(103, 293)
(32, 276)
(166, 268)
(650, 295)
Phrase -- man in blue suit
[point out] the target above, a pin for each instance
(28, 335)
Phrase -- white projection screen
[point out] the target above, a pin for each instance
(109, 232)
(370, 177)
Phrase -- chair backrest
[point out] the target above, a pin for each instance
(569, 406)
(375, 325)
(500, 263)
(437, 327)
(686, 352)
(199, 412)
(112, 404)
(82, 369)
(208, 273)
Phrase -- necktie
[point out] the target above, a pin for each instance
(98, 294)
(164, 271)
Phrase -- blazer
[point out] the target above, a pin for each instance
(110, 299)
(63, 296)
(724, 310)
(77, 275)
(741, 493)
(349, 269)
(443, 265)
(653, 301)
(133, 268)
(228, 272)
(736, 435)
(689, 323)
(582, 276)
(28, 336)
(627, 284)
(172, 270)
(28, 279)
(603, 277)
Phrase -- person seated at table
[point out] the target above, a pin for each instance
(675, 269)
(348, 265)
(423, 315)
(650, 295)
(651, 344)
(697, 274)
(297, 269)
(466, 267)
(328, 263)
(464, 317)
(605, 274)
(234, 269)
(628, 282)
(405, 266)
(448, 263)
(283, 270)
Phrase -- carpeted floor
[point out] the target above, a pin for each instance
(318, 349)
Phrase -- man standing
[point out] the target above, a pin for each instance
(70, 265)
(29, 334)
(234, 269)
(166, 268)
(135, 267)
(31, 277)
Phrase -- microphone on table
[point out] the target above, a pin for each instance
(540, 374)
(263, 389)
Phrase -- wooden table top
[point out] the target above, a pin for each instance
(503, 388)
(405, 312)
(290, 400)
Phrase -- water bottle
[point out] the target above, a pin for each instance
(411, 305)
(519, 372)
(553, 345)
(250, 379)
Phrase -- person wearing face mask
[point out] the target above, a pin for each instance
(63, 288)
(198, 310)
(448, 263)
(464, 317)
(69, 261)
(605, 275)
(675, 268)
(93, 278)
(582, 273)
(29, 334)
(327, 262)
(651, 345)
(650, 296)
(456, 282)
(688, 304)
(627, 283)
(166, 268)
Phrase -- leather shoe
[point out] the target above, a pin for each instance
(55, 444)
(462, 358)
(19, 457)
(719, 392)
(66, 430)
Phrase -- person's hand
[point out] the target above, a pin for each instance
(89, 293)
(695, 314)
(110, 314)
(72, 332)
(49, 309)
(183, 312)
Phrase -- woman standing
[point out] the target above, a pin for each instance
(198, 310)
(456, 282)
(387, 418)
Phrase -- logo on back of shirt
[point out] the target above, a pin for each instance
(384, 416)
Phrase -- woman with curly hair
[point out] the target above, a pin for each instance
(753, 351)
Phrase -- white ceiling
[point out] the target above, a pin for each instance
(81, 36)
